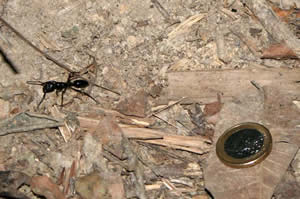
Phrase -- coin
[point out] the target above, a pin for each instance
(244, 145)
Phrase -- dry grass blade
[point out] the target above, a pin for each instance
(64, 130)
(34, 47)
(184, 26)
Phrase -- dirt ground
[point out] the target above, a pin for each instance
(166, 79)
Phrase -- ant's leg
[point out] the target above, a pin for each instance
(41, 100)
(62, 96)
(74, 75)
(84, 93)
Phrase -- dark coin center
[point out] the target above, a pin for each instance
(244, 143)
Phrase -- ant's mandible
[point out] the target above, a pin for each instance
(51, 86)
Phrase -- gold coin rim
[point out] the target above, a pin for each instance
(248, 161)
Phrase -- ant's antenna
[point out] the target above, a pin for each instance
(35, 83)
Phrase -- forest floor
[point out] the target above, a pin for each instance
(166, 79)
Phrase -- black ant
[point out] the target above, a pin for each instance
(51, 86)
(75, 85)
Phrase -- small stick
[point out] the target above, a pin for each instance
(8, 61)
(161, 9)
(34, 47)
(178, 101)
(164, 121)
(247, 41)
(256, 85)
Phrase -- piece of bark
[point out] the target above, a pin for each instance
(278, 51)
(204, 86)
(26, 121)
(273, 25)
(222, 50)
(109, 134)
(195, 144)
(43, 185)
(135, 105)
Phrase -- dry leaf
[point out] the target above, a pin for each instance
(213, 108)
(135, 105)
(282, 14)
(43, 185)
(278, 51)
(110, 135)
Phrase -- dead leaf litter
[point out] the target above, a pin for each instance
(134, 97)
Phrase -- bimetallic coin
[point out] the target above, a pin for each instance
(244, 145)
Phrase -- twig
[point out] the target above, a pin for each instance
(249, 43)
(164, 121)
(29, 128)
(34, 47)
(193, 144)
(36, 115)
(8, 61)
(152, 114)
(228, 13)
(24, 122)
(221, 46)
(227, 5)
(185, 25)
(161, 9)
(256, 85)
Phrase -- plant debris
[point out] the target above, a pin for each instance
(168, 78)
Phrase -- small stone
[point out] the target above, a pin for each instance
(92, 186)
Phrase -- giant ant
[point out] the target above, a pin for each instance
(75, 85)
(50, 86)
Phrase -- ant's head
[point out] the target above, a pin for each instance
(49, 86)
